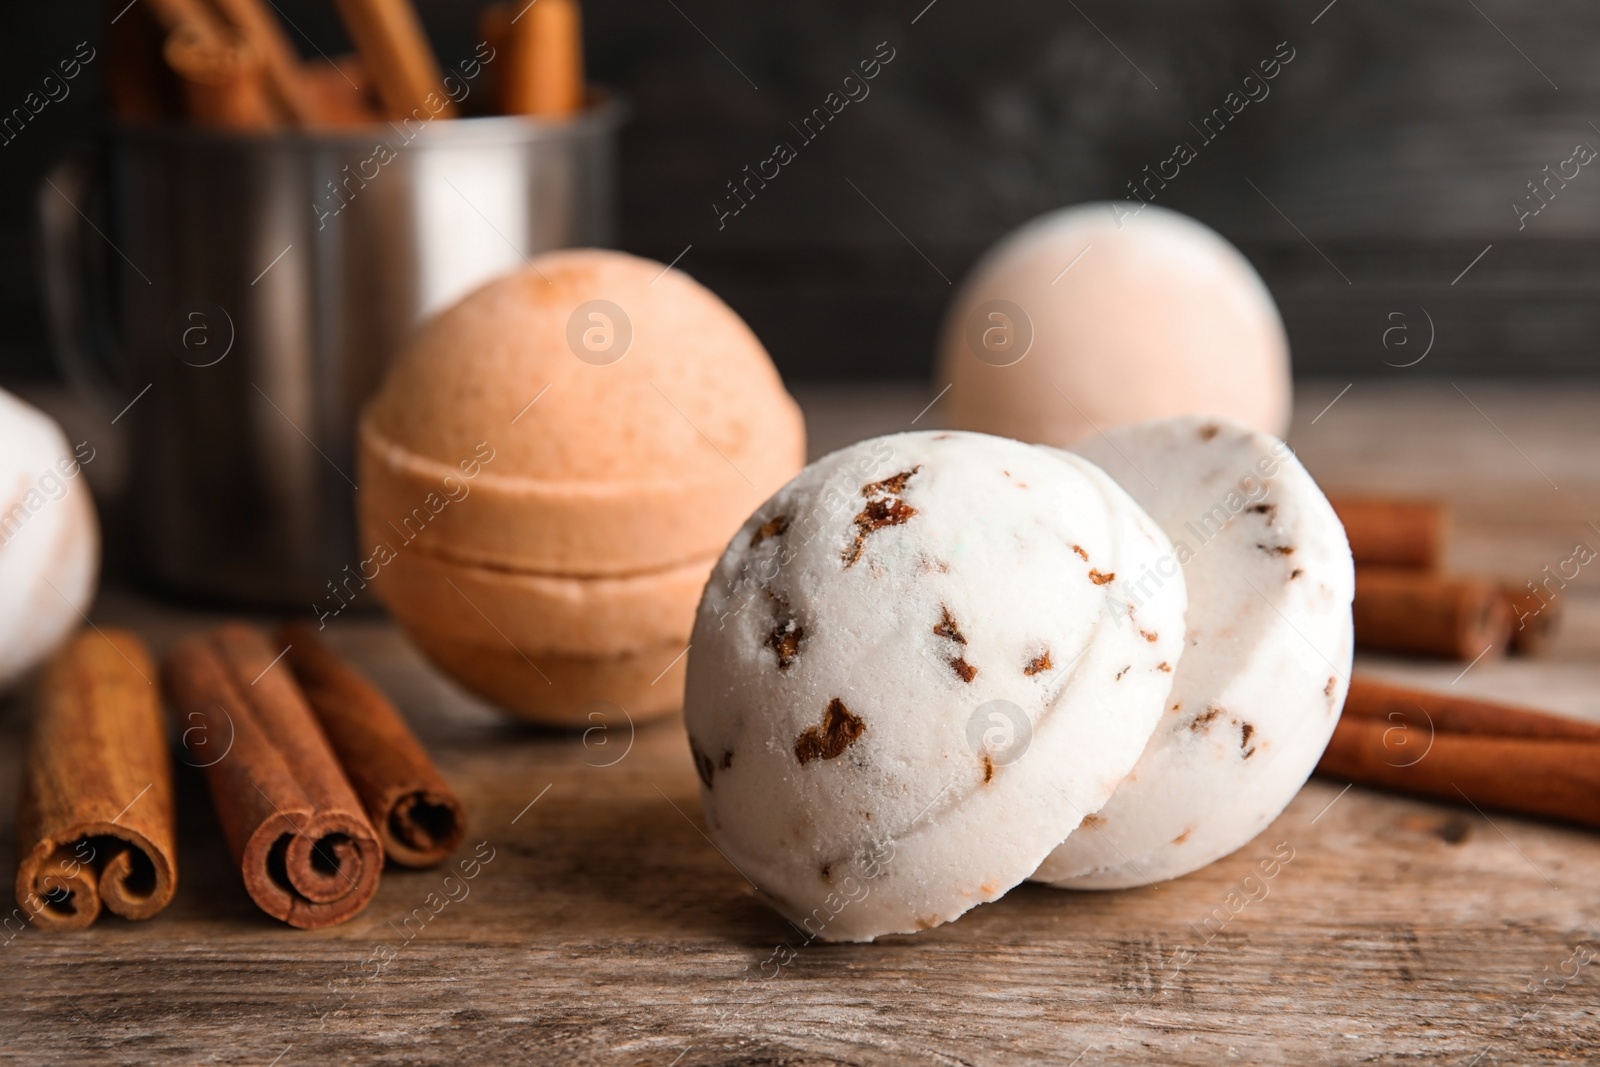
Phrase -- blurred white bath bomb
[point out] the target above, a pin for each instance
(914, 671)
(1263, 678)
(49, 538)
(1105, 314)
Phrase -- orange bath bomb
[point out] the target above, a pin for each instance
(549, 470)
(633, 421)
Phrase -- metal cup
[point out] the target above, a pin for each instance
(245, 293)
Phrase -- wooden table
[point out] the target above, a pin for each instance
(607, 930)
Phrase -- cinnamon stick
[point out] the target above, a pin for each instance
(416, 813)
(1394, 532)
(544, 61)
(398, 58)
(96, 826)
(1534, 619)
(1462, 750)
(1422, 613)
(494, 27)
(222, 80)
(259, 29)
(1371, 699)
(341, 92)
(306, 851)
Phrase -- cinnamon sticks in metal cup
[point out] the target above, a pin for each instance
(96, 824)
(1467, 751)
(304, 845)
(415, 812)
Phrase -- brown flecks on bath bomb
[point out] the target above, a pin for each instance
(1181, 838)
(771, 528)
(1101, 579)
(1038, 664)
(1277, 550)
(1327, 690)
(1081, 553)
(1164, 667)
(1093, 821)
(1297, 572)
(1123, 671)
(1204, 719)
(966, 670)
(1246, 731)
(1208, 431)
(785, 641)
(839, 730)
(1148, 636)
(702, 764)
(946, 627)
(988, 769)
(875, 516)
(1269, 510)
(926, 922)
(893, 485)
(827, 873)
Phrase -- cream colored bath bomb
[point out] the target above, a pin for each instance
(1111, 313)
(618, 418)
(49, 538)
(1263, 678)
(915, 670)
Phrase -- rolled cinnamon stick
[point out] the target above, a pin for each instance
(398, 58)
(1534, 619)
(341, 92)
(494, 28)
(1433, 712)
(304, 846)
(416, 813)
(96, 825)
(544, 61)
(260, 30)
(1394, 532)
(222, 80)
(1460, 750)
(1421, 613)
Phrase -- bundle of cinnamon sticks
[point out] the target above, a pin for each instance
(231, 63)
(1406, 602)
(314, 775)
(1451, 748)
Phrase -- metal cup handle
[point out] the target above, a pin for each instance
(75, 281)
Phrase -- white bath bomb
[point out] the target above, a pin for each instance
(1105, 314)
(49, 538)
(1263, 679)
(914, 671)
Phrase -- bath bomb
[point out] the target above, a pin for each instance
(1112, 313)
(550, 469)
(49, 538)
(915, 669)
(1262, 681)
(631, 418)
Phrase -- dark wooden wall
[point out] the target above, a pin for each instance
(1392, 148)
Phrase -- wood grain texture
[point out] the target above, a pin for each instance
(601, 927)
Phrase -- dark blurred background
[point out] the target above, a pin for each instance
(1388, 155)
